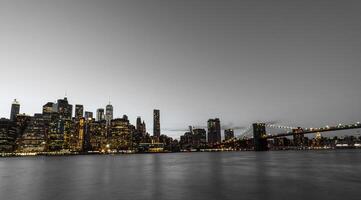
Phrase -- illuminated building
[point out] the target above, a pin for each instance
(228, 134)
(64, 109)
(100, 114)
(79, 111)
(151, 147)
(34, 137)
(88, 115)
(156, 124)
(7, 135)
(15, 109)
(108, 113)
(22, 121)
(48, 108)
(214, 131)
(82, 133)
(97, 135)
(119, 134)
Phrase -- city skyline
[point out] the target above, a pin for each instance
(293, 62)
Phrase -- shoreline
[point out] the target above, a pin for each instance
(58, 154)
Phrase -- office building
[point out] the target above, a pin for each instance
(15, 109)
(100, 114)
(156, 124)
(214, 131)
(79, 109)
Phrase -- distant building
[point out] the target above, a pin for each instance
(199, 138)
(7, 135)
(34, 137)
(79, 109)
(156, 124)
(108, 113)
(214, 131)
(88, 115)
(186, 140)
(140, 126)
(228, 134)
(15, 109)
(64, 109)
(48, 108)
(119, 135)
(100, 114)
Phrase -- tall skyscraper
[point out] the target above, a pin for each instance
(15, 109)
(64, 109)
(156, 124)
(214, 131)
(139, 124)
(144, 128)
(88, 115)
(79, 111)
(100, 114)
(228, 134)
(109, 113)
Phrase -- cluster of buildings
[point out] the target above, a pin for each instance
(56, 129)
(202, 139)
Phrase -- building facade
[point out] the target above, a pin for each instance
(100, 114)
(214, 131)
(156, 124)
(15, 109)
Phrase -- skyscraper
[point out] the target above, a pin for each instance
(156, 124)
(100, 114)
(214, 131)
(48, 108)
(79, 111)
(139, 124)
(15, 109)
(64, 109)
(108, 113)
(88, 115)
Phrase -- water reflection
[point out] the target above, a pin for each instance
(229, 175)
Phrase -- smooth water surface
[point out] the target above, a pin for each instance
(227, 175)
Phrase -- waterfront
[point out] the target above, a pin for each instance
(331, 174)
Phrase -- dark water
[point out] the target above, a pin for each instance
(229, 175)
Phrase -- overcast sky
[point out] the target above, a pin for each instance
(296, 62)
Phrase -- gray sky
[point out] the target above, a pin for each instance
(297, 62)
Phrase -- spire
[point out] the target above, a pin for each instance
(15, 101)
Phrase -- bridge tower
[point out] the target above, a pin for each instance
(298, 137)
(259, 137)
